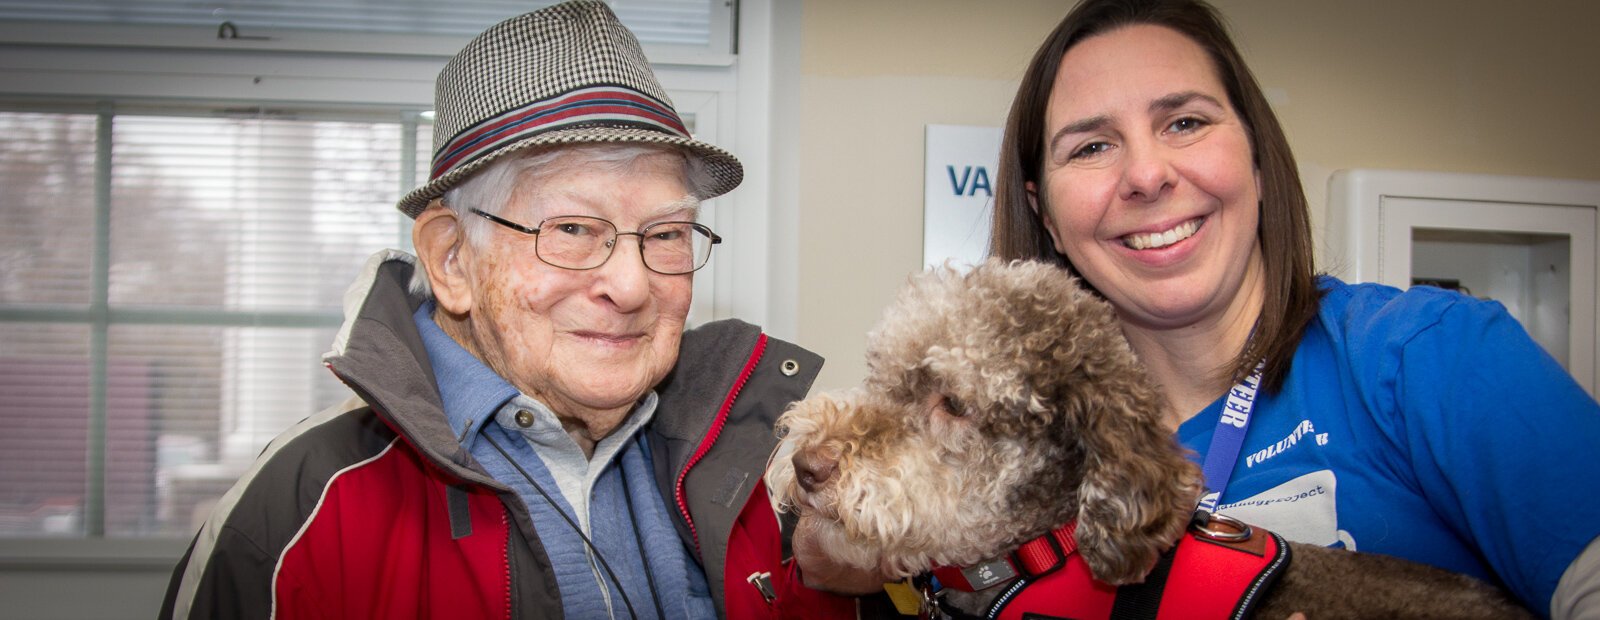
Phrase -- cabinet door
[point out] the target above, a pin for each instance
(1525, 242)
(1537, 260)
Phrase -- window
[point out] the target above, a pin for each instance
(168, 283)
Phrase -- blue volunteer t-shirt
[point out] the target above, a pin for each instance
(1427, 425)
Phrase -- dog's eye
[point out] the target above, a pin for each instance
(953, 407)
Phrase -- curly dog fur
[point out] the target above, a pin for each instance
(1004, 401)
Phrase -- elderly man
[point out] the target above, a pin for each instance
(533, 433)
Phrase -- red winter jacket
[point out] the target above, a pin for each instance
(373, 510)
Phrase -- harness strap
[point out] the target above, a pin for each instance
(1047, 553)
(1141, 601)
(1040, 556)
(1219, 568)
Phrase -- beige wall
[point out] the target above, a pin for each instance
(1452, 85)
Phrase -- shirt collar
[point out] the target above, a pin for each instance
(533, 420)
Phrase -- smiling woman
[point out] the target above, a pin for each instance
(1148, 148)
(1141, 154)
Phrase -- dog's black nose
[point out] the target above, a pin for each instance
(812, 471)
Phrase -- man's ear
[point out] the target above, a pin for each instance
(1043, 214)
(440, 240)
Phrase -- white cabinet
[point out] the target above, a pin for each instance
(1528, 243)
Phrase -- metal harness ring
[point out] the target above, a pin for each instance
(1240, 530)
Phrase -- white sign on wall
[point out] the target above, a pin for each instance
(958, 193)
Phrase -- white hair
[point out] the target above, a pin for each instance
(498, 184)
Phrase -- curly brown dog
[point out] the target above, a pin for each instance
(1003, 402)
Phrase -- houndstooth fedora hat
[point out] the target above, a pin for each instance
(566, 74)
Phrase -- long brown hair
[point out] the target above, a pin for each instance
(1284, 232)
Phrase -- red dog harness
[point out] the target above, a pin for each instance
(1219, 569)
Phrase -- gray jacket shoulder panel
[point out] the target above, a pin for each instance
(718, 486)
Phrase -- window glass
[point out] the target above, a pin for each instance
(248, 214)
(191, 407)
(128, 409)
(45, 386)
(48, 175)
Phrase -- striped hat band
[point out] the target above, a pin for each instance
(596, 106)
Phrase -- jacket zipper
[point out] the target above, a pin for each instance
(505, 520)
(711, 436)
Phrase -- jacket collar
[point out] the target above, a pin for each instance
(471, 391)
(379, 353)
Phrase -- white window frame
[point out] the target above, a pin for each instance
(244, 37)
(727, 92)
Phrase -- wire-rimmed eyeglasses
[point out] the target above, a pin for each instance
(581, 242)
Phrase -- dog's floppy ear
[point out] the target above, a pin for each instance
(1138, 491)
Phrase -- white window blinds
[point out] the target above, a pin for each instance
(167, 287)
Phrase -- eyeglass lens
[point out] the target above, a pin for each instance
(578, 242)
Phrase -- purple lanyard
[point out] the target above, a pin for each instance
(1232, 424)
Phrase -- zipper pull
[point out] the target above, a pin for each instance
(763, 584)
